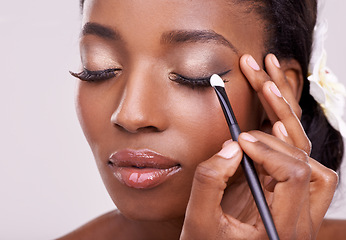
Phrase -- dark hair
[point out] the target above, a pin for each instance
(289, 27)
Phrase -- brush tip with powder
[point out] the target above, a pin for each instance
(216, 81)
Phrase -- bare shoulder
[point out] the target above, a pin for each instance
(106, 226)
(332, 229)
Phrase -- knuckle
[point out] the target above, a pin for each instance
(301, 172)
(330, 178)
(266, 83)
(258, 86)
(205, 174)
(301, 155)
(267, 151)
(307, 146)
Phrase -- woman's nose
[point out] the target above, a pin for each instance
(142, 106)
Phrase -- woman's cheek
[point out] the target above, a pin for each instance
(245, 103)
(198, 124)
(93, 114)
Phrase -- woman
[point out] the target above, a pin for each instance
(156, 128)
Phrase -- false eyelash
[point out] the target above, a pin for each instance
(201, 82)
(194, 82)
(95, 76)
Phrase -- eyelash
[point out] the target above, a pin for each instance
(194, 82)
(101, 75)
(96, 76)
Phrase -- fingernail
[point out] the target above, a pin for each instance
(252, 63)
(227, 142)
(248, 137)
(283, 129)
(275, 90)
(275, 61)
(228, 151)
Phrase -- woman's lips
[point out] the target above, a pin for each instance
(142, 169)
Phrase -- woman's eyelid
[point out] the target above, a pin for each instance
(194, 82)
(192, 79)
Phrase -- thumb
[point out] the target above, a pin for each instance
(204, 211)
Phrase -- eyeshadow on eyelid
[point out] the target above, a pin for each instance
(201, 62)
(200, 82)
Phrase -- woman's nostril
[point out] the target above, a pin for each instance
(133, 118)
(149, 129)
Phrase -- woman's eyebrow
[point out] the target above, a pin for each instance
(91, 28)
(192, 36)
(171, 37)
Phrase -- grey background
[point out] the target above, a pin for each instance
(49, 184)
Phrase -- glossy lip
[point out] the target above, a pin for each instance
(142, 169)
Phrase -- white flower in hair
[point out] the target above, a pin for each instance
(324, 85)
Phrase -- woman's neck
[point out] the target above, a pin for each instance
(154, 230)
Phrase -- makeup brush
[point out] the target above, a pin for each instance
(247, 164)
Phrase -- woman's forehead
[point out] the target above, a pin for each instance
(144, 19)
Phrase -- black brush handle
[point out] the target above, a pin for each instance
(248, 167)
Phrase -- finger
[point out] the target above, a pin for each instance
(280, 146)
(285, 113)
(257, 77)
(279, 131)
(210, 180)
(322, 188)
(289, 104)
(292, 175)
(304, 220)
(279, 78)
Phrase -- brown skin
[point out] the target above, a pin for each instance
(332, 229)
(142, 108)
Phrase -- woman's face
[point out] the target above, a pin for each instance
(149, 126)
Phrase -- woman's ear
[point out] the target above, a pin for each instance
(294, 76)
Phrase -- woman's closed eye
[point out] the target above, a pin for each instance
(194, 82)
(96, 76)
(102, 75)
